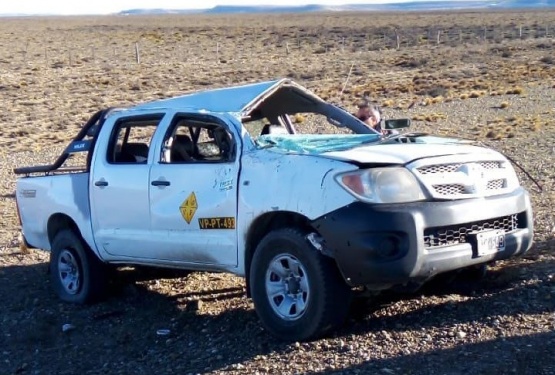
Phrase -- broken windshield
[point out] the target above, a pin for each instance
(292, 119)
(315, 143)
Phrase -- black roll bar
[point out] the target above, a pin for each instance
(77, 144)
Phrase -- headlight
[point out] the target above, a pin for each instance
(382, 185)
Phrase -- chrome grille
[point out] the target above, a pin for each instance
(457, 180)
(490, 164)
(496, 184)
(440, 168)
(449, 189)
(456, 234)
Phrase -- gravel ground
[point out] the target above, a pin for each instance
(505, 324)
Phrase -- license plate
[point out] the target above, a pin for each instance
(489, 242)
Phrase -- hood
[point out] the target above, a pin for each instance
(404, 153)
(367, 148)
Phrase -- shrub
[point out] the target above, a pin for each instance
(298, 119)
(319, 51)
(437, 99)
(547, 60)
(492, 134)
(387, 103)
(515, 91)
(414, 63)
(543, 45)
(437, 91)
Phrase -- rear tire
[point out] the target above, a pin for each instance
(77, 275)
(298, 293)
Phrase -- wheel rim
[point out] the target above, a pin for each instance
(287, 287)
(68, 272)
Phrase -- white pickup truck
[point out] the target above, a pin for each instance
(224, 180)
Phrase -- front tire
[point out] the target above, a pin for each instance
(298, 293)
(77, 275)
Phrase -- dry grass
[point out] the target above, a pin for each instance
(55, 72)
(515, 91)
(298, 118)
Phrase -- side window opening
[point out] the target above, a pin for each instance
(131, 140)
(257, 125)
(193, 140)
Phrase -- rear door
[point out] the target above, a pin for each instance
(193, 193)
(119, 190)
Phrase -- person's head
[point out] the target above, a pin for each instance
(369, 114)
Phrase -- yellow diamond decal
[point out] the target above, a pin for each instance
(189, 207)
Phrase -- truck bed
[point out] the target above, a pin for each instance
(41, 197)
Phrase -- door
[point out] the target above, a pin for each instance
(193, 192)
(120, 206)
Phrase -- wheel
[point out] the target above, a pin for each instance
(298, 293)
(77, 275)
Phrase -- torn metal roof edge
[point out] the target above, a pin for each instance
(235, 99)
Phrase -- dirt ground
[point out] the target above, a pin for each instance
(491, 78)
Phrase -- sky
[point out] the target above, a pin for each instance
(69, 7)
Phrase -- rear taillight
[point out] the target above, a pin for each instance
(17, 209)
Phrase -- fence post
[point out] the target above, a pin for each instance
(137, 53)
(25, 53)
(438, 36)
(520, 31)
(397, 39)
(287, 47)
(485, 33)
(460, 36)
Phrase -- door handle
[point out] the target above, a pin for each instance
(101, 183)
(160, 183)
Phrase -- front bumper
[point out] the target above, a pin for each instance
(386, 245)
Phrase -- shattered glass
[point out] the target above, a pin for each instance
(315, 144)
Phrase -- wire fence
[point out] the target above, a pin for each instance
(165, 48)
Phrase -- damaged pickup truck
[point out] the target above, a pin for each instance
(225, 180)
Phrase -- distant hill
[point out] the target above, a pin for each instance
(405, 6)
(130, 12)
(408, 5)
(267, 9)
